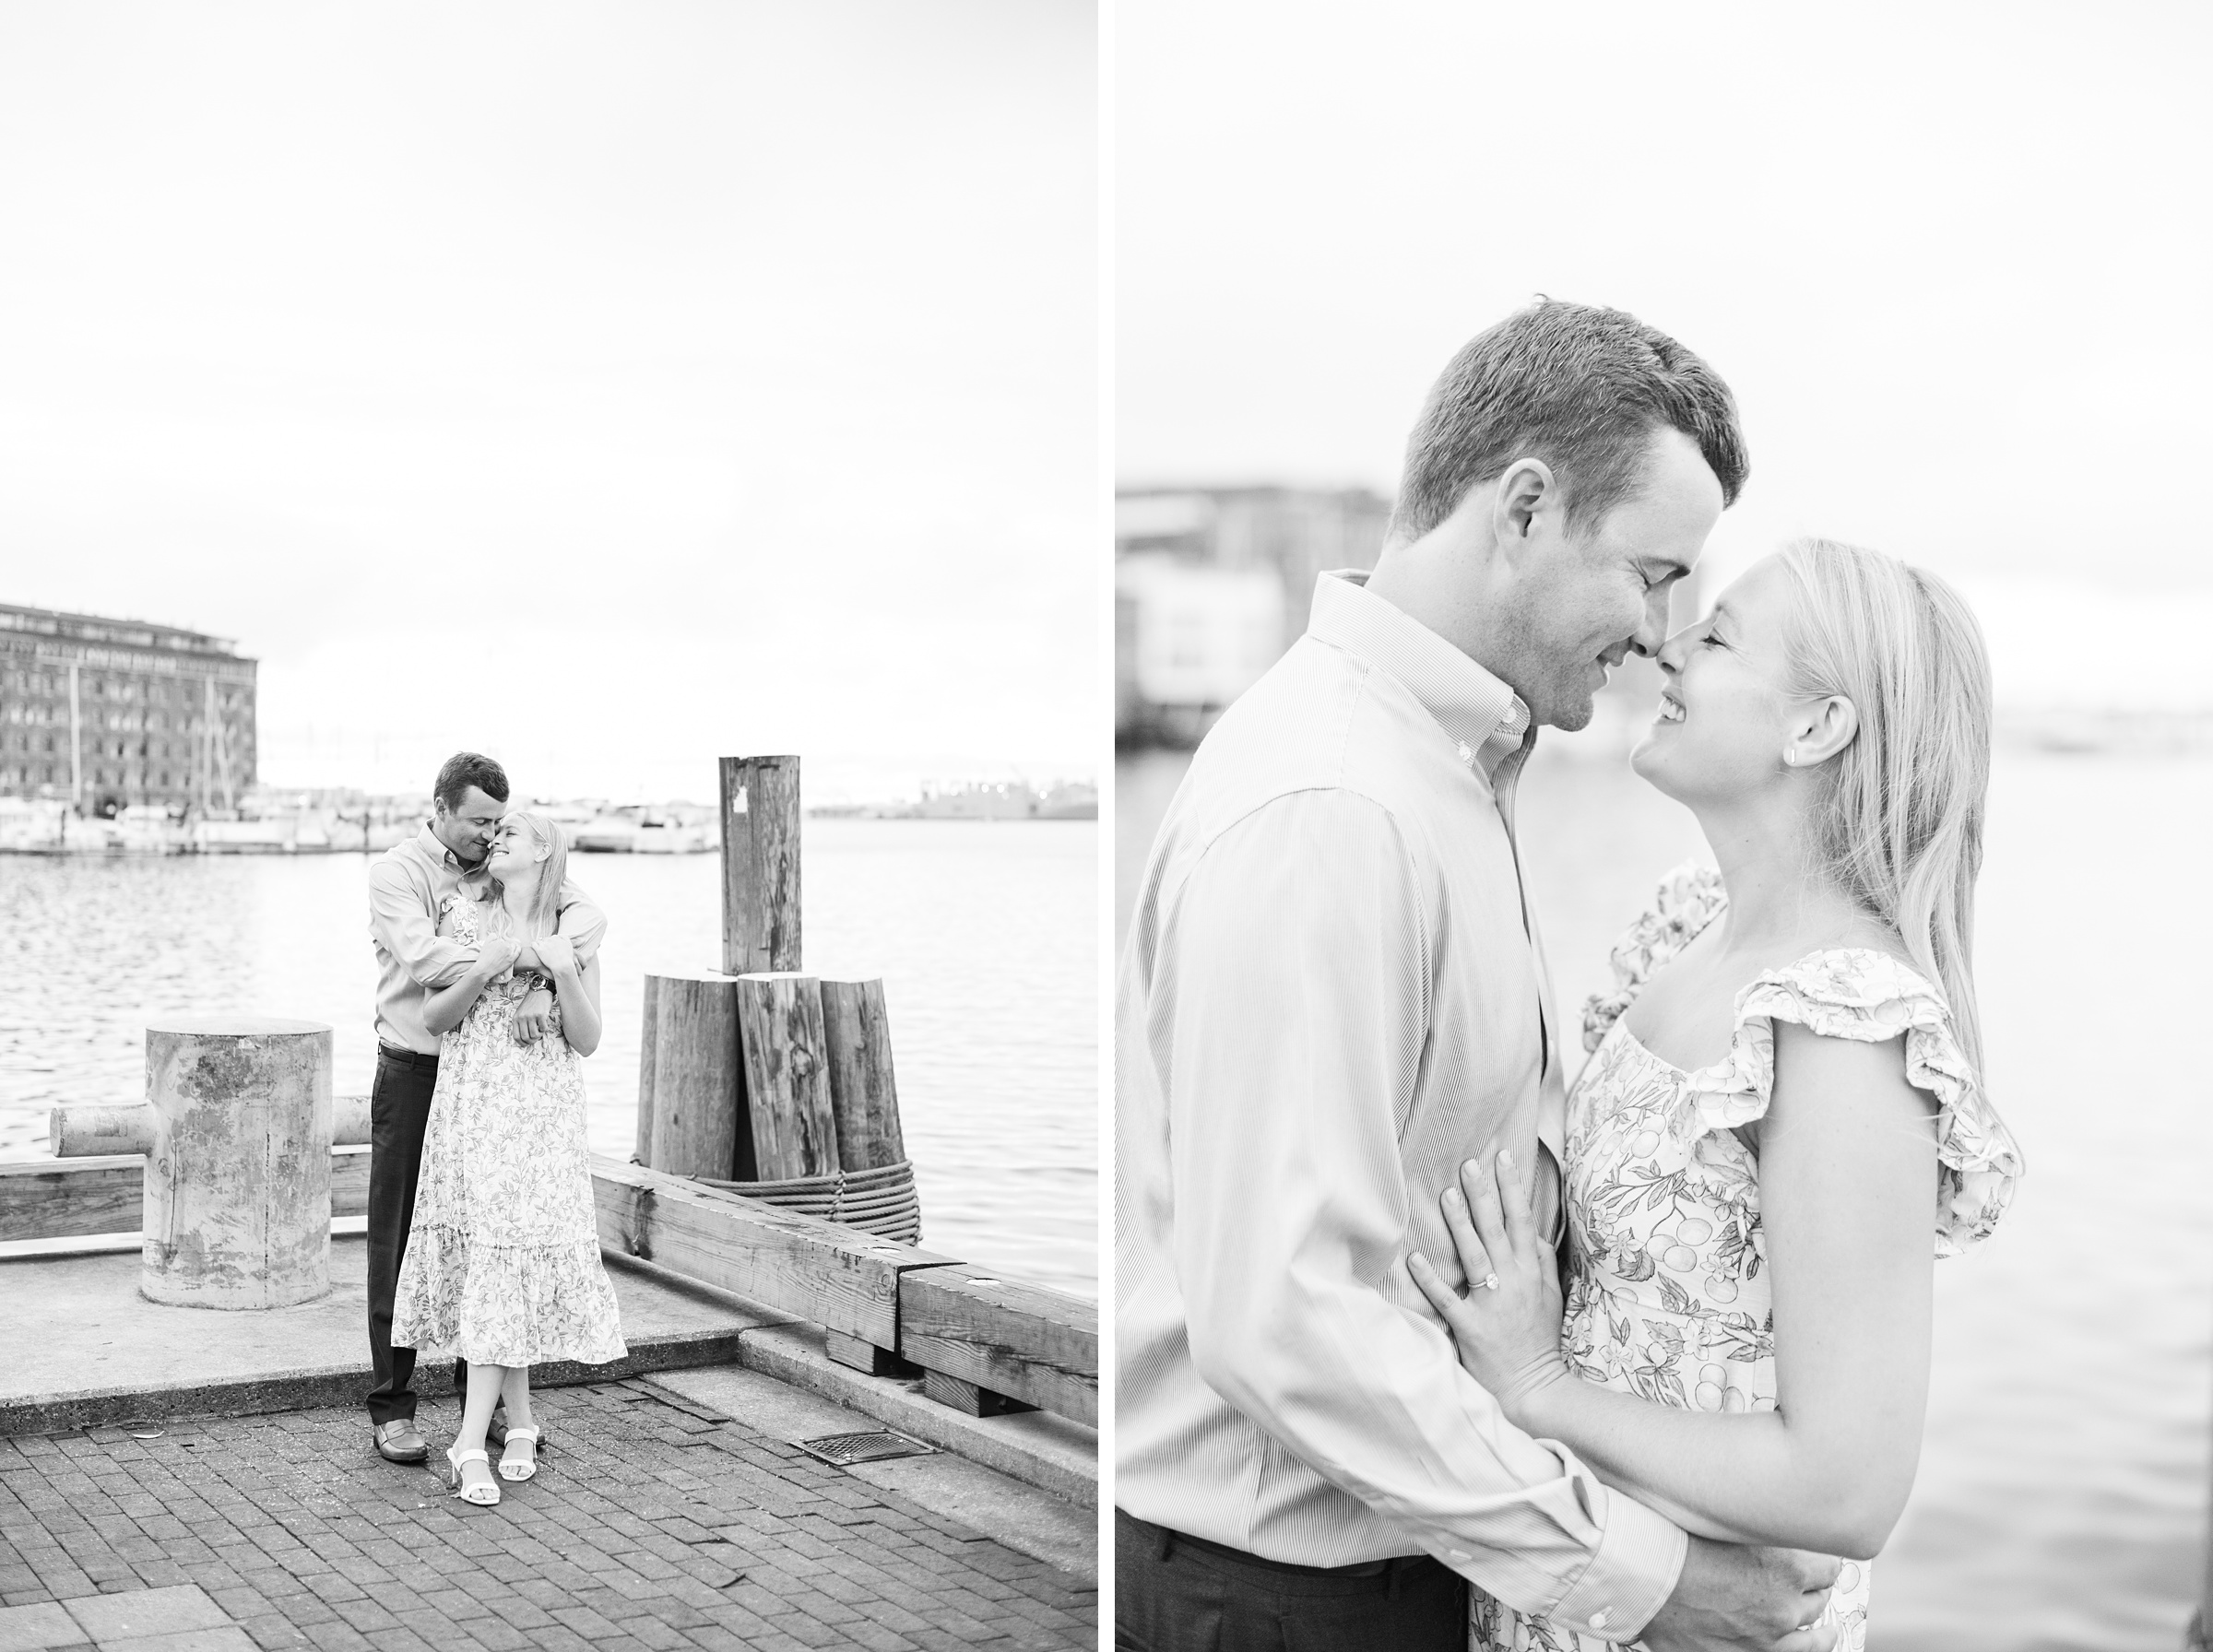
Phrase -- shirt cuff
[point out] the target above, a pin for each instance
(1638, 1560)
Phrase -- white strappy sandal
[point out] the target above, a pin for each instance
(512, 1467)
(483, 1497)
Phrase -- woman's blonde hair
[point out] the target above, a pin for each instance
(1900, 824)
(545, 904)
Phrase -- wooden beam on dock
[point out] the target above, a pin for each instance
(81, 1197)
(760, 864)
(840, 1278)
(985, 1336)
(57, 1200)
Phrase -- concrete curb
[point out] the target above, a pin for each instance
(1051, 1453)
(341, 1385)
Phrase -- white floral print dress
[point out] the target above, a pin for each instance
(503, 1260)
(1668, 1290)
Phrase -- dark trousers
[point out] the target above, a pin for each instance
(400, 1107)
(1174, 1593)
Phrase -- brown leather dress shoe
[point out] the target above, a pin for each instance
(400, 1441)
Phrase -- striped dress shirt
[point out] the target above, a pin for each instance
(407, 886)
(1332, 994)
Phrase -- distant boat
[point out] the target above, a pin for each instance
(637, 828)
(610, 834)
(1075, 802)
(670, 837)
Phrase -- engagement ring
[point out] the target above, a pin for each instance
(1490, 1281)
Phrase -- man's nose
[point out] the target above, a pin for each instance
(1651, 635)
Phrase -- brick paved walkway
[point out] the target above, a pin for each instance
(651, 1525)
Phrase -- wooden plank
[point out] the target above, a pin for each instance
(1004, 1335)
(57, 1200)
(760, 864)
(864, 1099)
(866, 1356)
(349, 1181)
(840, 1278)
(695, 1091)
(80, 1198)
(786, 1076)
(971, 1399)
(82, 1129)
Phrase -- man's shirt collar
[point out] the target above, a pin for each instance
(438, 854)
(1484, 718)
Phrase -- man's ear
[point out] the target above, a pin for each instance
(1524, 491)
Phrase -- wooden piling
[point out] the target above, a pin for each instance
(691, 1095)
(864, 1101)
(237, 1187)
(646, 1044)
(786, 1076)
(760, 864)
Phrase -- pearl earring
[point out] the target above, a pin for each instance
(1790, 756)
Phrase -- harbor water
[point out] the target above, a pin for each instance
(985, 934)
(2061, 1502)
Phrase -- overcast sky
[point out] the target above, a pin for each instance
(1955, 260)
(609, 387)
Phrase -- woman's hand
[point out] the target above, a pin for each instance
(557, 957)
(1508, 1326)
(496, 954)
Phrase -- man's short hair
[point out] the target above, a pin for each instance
(464, 769)
(1582, 388)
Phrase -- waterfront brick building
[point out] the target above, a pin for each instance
(109, 712)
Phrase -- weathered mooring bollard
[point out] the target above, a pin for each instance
(237, 1180)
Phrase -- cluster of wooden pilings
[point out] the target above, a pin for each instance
(761, 1077)
(768, 1134)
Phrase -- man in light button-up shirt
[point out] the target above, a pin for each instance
(408, 888)
(1333, 994)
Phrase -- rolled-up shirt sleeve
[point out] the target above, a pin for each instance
(409, 933)
(1299, 947)
(582, 922)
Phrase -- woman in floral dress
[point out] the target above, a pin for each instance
(1783, 1123)
(503, 1260)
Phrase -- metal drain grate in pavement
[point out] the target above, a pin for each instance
(874, 1446)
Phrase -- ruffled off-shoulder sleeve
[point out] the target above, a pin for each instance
(1871, 996)
(1689, 897)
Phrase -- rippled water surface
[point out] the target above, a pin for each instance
(2062, 1497)
(985, 936)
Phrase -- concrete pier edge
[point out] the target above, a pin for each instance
(1054, 1454)
(1051, 1453)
